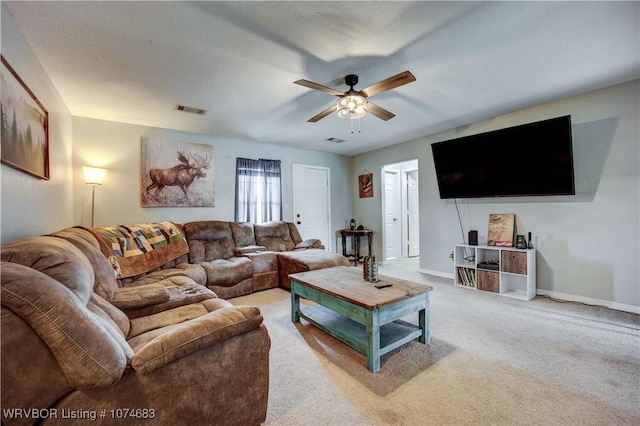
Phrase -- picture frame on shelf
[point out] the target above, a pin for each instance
(24, 125)
(502, 228)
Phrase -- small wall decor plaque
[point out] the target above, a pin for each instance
(501, 230)
(365, 184)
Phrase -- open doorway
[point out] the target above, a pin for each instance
(400, 211)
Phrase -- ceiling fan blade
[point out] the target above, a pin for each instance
(320, 87)
(379, 112)
(389, 83)
(323, 114)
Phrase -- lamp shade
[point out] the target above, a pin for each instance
(352, 107)
(93, 175)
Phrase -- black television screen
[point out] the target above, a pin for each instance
(534, 159)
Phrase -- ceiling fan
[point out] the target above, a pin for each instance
(353, 103)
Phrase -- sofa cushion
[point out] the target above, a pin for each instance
(295, 234)
(275, 236)
(165, 318)
(140, 296)
(188, 270)
(195, 334)
(209, 240)
(243, 233)
(182, 291)
(227, 272)
(56, 258)
(292, 262)
(88, 353)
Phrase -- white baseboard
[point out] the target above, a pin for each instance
(562, 296)
(436, 273)
(590, 301)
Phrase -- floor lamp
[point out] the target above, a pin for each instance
(93, 176)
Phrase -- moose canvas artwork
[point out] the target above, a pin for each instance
(176, 174)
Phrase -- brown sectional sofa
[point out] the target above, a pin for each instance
(150, 336)
(241, 258)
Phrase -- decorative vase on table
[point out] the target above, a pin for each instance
(370, 269)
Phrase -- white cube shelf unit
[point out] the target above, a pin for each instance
(507, 271)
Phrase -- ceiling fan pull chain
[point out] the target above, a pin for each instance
(359, 128)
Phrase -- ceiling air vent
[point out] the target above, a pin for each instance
(334, 140)
(192, 110)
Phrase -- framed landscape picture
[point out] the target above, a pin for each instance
(24, 126)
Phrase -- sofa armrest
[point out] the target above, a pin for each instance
(225, 384)
(140, 296)
(242, 250)
(311, 243)
(195, 334)
(90, 351)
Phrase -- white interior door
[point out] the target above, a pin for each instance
(311, 202)
(392, 207)
(413, 215)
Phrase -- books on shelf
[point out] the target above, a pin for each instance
(467, 277)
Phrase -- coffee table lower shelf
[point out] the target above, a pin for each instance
(354, 334)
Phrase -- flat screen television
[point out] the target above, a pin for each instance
(534, 159)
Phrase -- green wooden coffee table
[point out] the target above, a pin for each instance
(355, 312)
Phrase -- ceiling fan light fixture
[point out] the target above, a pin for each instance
(352, 107)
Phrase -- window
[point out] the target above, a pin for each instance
(258, 190)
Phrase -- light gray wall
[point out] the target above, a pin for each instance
(588, 245)
(116, 147)
(31, 206)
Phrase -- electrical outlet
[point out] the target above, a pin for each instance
(451, 256)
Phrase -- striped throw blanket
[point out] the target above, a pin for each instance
(136, 249)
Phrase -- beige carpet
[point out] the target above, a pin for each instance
(492, 360)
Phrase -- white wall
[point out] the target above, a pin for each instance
(116, 147)
(588, 245)
(31, 206)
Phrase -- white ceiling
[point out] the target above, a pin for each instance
(134, 61)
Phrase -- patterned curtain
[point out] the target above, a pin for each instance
(258, 190)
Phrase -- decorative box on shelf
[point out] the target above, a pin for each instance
(507, 271)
